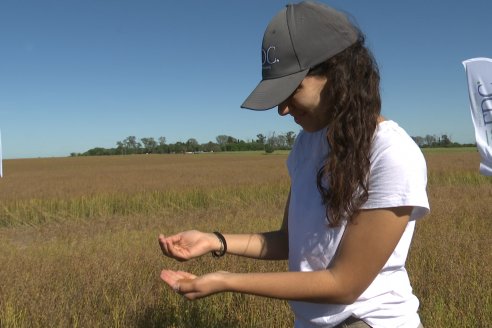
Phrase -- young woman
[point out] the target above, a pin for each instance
(358, 184)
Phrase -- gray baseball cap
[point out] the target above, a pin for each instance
(298, 38)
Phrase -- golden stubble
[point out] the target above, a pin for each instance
(78, 239)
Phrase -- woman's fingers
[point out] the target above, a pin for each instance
(191, 286)
(163, 244)
(180, 282)
(170, 247)
(175, 278)
(171, 278)
(186, 275)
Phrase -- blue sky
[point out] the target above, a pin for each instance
(77, 74)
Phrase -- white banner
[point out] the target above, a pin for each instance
(479, 75)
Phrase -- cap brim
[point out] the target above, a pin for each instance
(270, 93)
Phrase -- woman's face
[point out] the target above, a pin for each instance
(307, 104)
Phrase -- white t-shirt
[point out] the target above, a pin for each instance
(398, 177)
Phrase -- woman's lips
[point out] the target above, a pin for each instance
(298, 117)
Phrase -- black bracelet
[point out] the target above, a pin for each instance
(223, 245)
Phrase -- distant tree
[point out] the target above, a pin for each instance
(269, 148)
(291, 137)
(121, 148)
(132, 145)
(444, 141)
(211, 147)
(260, 138)
(98, 151)
(162, 148)
(162, 141)
(419, 141)
(192, 145)
(222, 139)
(271, 141)
(430, 140)
(179, 147)
(149, 145)
(278, 141)
(282, 142)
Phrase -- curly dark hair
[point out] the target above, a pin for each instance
(355, 105)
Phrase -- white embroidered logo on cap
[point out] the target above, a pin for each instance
(268, 57)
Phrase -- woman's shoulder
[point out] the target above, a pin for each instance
(398, 174)
(394, 153)
(390, 137)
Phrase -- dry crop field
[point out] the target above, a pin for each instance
(78, 239)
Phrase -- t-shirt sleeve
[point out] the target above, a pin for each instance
(398, 177)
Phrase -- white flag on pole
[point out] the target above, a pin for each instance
(479, 75)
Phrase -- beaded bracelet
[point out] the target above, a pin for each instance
(223, 245)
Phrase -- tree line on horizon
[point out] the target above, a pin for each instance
(224, 143)
(435, 141)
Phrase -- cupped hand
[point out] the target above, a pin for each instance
(193, 287)
(187, 245)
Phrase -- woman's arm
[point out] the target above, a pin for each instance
(268, 246)
(366, 246)
(190, 244)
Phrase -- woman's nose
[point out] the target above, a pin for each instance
(283, 108)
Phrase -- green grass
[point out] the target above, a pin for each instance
(249, 152)
(449, 150)
(35, 212)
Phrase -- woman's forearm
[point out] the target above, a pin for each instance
(269, 245)
(272, 245)
(316, 287)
